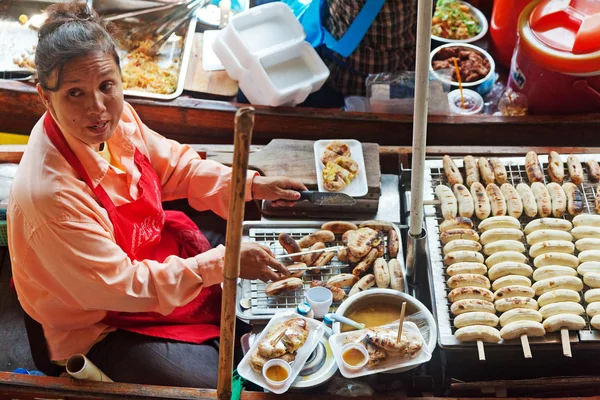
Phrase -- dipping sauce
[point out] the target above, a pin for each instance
(470, 103)
(277, 373)
(353, 357)
(371, 315)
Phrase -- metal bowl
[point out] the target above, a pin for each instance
(482, 21)
(390, 296)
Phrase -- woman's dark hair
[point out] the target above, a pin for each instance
(71, 30)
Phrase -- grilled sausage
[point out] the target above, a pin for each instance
(587, 244)
(481, 200)
(452, 171)
(528, 199)
(575, 169)
(542, 198)
(499, 170)
(471, 170)
(532, 167)
(497, 200)
(556, 168)
(574, 198)
(505, 256)
(486, 171)
(466, 208)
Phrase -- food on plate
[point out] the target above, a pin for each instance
(310, 258)
(556, 168)
(338, 227)
(453, 20)
(396, 275)
(559, 199)
(514, 204)
(449, 202)
(289, 245)
(548, 223)
(141, 71)
(456, 223)
(575, 169)
(348, 164)
(382, 342)
(499, 222)
(323, 236)
(542, 199)
(461, 245)
(365, 263)
(528, 199)
(466, 268)
(393, 243)
(338, 293)
(497, 200)
(336, 178)
(361, 241)
(329, 156)
(574, 198)
(533, 168)
(593, 170)
(471, 170)
(499, 170)
(283, 286)
(363, 284)
(292, 333)
(451, 170)
(339, 147)
(502, 246)
(381, 272)
(472, 64)
(465, 201)
(481, 200)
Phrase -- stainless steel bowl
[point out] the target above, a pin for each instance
(389, 296)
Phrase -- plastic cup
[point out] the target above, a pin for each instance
(320, 299)
(359, 348)
(276, 362)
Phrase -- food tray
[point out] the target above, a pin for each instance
(263, 307)
(515, 168)
(317, 329)
(394, 362)
(358, 187)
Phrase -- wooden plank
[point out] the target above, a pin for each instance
(212, 83)
(203, 121)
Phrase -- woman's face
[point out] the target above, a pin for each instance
(89, 103)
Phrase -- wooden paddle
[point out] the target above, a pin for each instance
(244, 123)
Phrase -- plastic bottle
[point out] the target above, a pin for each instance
(328, 322)
(305, 310)
(503, 28)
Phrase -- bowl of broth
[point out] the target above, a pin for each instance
(377, 307)
(276, 372)
(354, 356)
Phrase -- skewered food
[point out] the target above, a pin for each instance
(514, 291)
(500, 222)
(551, 246)
(377, 225)
(511, 280)
(593, 170)
(505, 256)
(553, 271)
(339, 227)
(481, 200)
(509, 268)
(393, 243)
(587, 244)
(543, 235)
(532, 167)
(548, 223)
(556, 168)
(486, 171)
(564, 321)
(563, 307)
(494, 235)
(519, 328)
(559, 199)
(542, 199)
(338, 293)
(587, 220)
(315, 237)
(590, 266)
(342, 280)
(514, 204)
(456, 223)
(575, 169)
(474, 293)
(396, 275)
(589, 255)
(458, 234)
(461, 245)
(449, 202)
(466, 207)
(310, 258)
(381, 272)
(365, 263)
(520, 314)
(476, 318)
(511, 303)
(574, 198)
(289, 245)
(499, 170)
(528, 199)
(466, 306)
(584, 232)
(558, 296)
(503, 245)
(466, 268)
(452, 171)
(560, 282)
(471, 170)
(364, 283)
(592, 279)
(473, 333)
(463, 256)
(361, 241)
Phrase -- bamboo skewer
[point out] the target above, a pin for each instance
(325, 250)
(244, 123)
(525, 345)
(480, 350)
(278, 338)
(566, 343)
(401, 324)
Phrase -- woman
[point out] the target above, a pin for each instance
(96, 261)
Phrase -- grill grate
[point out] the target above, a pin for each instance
(263, 305)
(516, 173)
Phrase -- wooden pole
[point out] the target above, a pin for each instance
(244, 123)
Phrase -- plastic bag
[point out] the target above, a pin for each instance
(393, 93)
(340, 386)
(8, 170)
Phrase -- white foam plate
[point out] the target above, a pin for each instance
(391, 363)
(314, 336)
(358, 187)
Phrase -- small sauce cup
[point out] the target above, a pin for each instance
(354, 356)
(276, 373)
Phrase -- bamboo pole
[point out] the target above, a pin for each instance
(424, 14)
(244, 123)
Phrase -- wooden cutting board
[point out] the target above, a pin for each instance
(296, 159)
(214, 83)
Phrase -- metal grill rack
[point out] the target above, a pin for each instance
(515, 168)
(263, 307)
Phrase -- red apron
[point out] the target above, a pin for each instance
(146, 232)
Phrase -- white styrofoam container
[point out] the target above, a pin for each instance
(263, 48)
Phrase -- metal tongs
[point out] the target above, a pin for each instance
(165, 26)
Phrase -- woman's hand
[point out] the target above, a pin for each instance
(255, 260)
(280, 190)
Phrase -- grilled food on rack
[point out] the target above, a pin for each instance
(342, 280)
(589, 256)
(574, 198)
(470, 305)
(345, 256)
(559, 282)
(474, 293)
(532, 167)
(551, 246)
(461, 245)
(511, 280)
(294, 333)
(587, 244)
(520, 314)
(585, 232)
(476, 318)
(590, 266)
(542, 199)
(310, 258)
(556, 168)
(548, 223)
(363, 284)
(497, 200)
(564, 321)
(396, 275)
(361, 241)
(496, 234)
(449, 204)
(499, 222)
(567, 260)
(509, 268)
(587, 220)
(499, 170)
(481, 200)
(471, 170)
(377, 225)
(393, 243)
(338, 293)
(338, 227)
(295, 274)
(514, 291)
(514, 204)
(381, 272)
(452, 171)
(365, 263)
(519, 328)
(323, 236)
(505, 256)
(486, 171)
(575, 169)
(464, 280)
(543, 235)
(593, 171)
(283, 286)
(553, 271)
(472, 333)
(528, 199)
(466, 268)
(462, 256)
(559, 199)
(458, 234)
(456, 223)
(289, 245)
(502, 246)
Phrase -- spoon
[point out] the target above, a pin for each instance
(345, 320)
